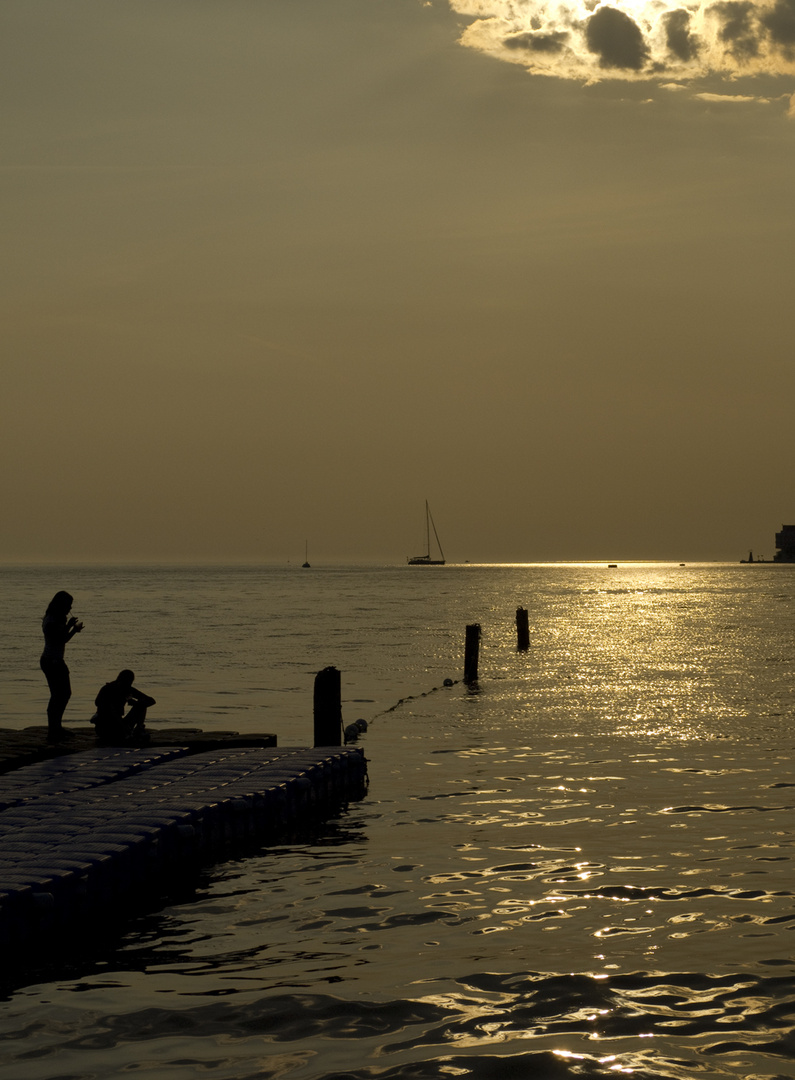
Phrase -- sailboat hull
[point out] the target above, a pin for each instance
(425, 560)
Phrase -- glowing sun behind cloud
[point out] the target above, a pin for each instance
(591, 40)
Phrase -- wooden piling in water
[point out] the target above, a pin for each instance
(471, 653)
(522, 630)
(328, 708)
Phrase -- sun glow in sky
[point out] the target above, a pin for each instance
(635, 39)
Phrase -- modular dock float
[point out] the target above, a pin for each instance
(99, 830)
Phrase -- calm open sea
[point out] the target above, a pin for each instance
(582, 869)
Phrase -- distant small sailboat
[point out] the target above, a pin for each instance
(305, 563)
(427, 559)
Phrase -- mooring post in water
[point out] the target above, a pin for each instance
(471, 651)
(328, 708)
(522, 630)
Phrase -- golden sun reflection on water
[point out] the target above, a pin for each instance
(638, 650)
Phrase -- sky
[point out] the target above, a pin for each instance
(277, 271)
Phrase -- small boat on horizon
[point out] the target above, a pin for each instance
(427, 559)
(305, 564)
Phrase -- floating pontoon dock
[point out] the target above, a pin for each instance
(91, 832)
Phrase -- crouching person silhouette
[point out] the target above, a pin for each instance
(114, 726)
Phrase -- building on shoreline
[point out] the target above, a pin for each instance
(785, 544)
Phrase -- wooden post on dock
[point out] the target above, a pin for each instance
(471, 651)
(522, 630)
(328, 708)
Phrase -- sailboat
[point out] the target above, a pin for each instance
(426, 559)
(305, 563)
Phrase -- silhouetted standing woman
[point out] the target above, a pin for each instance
(57, 631)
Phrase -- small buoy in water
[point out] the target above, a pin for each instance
(448, 682)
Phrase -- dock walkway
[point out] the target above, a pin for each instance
(95, 831)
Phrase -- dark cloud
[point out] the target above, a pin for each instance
(616, 39)
(780, 25)
(677, 35)
(637, 40)
(738, 27)
(552, 42)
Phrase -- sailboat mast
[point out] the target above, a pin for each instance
(435, 533)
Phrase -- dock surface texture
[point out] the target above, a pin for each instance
(85, 835)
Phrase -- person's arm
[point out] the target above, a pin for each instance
(72, 627)
(139, 698)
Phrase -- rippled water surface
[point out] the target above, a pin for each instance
(582, 867)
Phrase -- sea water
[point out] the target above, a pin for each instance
(581, 866)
